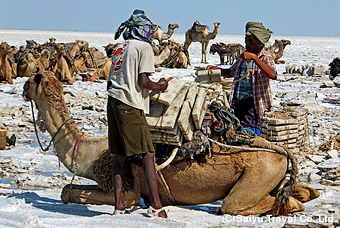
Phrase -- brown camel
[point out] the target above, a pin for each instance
(96, 60)
(200, 33)
(28, 64)
(231, 51)
(74, 48)
(276, 50)
(65, 67)
(247, 181)
(160, 35)
(109, 49)
(6, 68)
(31, 45)
(171, 55)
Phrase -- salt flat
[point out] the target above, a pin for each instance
(42, 207)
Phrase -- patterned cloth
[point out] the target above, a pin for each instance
(244, 87)
(245, 111)
(261, 85)
(260, 35)
(137, 26)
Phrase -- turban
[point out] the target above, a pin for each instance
(137, 26)
(259, 34)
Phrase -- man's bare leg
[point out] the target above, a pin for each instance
(117, 172)
(151, 180)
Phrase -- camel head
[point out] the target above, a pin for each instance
(44, 85)
(109, 48)
(217, 25)
(173, 26)
(213, 49)
(5, 49)
(31, 44)
(60, 49)
(82, 43)
(52, 40)
(172, 44)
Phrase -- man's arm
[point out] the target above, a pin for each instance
(145, 82)
(266, 69)
(224, 72)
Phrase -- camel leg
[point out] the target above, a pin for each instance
(205, 51)
(92, 194)
(250, 194)
(86, 194)
(202, 60)
(221, 59)
(304, 193)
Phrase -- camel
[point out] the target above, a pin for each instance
(200, 33)
(6, 68)
(334, 68)
(31, 45)
(231, 51)
(109, 49)
(159, 35)
(65, 67)
(74, 48)
(165, 49)
(96, 60)
(171, 55)
(28, 65)
(248, 182)
(276, 50)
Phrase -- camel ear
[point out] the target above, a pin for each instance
(37, 79)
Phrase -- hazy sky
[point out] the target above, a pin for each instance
(284, 17)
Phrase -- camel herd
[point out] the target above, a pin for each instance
(66, 60)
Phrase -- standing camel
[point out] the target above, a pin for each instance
(200, 33)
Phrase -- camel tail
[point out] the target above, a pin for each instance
(281, 206)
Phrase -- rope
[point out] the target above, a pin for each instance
(254, 149)
(36, 131)
(228, 119)
(166, 187)
(76, 158)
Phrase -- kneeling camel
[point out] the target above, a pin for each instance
(248, 182)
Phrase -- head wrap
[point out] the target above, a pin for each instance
(259, 34)
(137, 26)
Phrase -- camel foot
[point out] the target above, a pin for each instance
(304, 193)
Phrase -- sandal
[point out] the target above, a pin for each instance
(120, 212)
(152, 212)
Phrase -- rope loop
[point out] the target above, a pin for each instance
(228, 121)
(36, 131)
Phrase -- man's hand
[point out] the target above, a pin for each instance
(162, 84)
(248, 56)
(211, 67)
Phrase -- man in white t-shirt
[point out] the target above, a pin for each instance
(128, 89)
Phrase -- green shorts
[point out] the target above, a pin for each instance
(129, 132)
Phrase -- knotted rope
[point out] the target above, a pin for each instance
(76, 158)
(228, 121)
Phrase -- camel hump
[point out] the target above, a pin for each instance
(198, 27)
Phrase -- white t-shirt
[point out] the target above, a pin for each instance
(129, 59)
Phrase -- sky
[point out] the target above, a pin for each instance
(284, 18)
